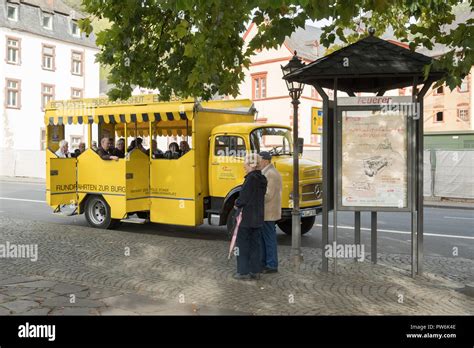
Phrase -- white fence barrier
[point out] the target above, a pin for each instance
(454, 174)
(427, 174)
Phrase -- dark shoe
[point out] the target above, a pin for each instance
(267, 270)
(255, 276)
(239, 276)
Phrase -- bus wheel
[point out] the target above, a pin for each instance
(98, 213)
(306, 225)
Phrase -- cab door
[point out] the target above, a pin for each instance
(61, 180)
(226, 163)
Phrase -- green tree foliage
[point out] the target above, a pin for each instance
(194, 48)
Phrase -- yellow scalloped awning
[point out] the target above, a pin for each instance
(81, 114)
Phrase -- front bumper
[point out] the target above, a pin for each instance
(305, 212)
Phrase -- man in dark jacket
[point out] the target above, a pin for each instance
(103, 150)
(252, 201)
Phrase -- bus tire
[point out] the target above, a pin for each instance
(306, 225)
(98, 213)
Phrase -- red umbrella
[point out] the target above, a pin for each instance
(234, 234)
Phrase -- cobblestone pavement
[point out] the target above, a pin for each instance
(166, 275)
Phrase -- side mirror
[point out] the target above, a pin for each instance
(300, 145)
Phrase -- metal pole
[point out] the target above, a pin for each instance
(335, 170)
(420, 207)
(325, 160)
(413, 178)
(357, 228)
(420, 144)
(373, 232)
(296, 217)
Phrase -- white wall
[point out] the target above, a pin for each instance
(21, 129)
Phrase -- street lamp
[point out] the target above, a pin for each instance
(295, 89)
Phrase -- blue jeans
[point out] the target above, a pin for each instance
(248, 258)
(269, 245)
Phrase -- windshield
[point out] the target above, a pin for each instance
(275, 140)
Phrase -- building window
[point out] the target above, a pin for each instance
(43, 139)
(439, 117)
(48, 59)
(47, 94)
(75, 140)
(439, 90)
(227, 145)
(76, 93)
(75, 29)
(314, 93)
(13, 50)
(464, 87)
(13, 94)
(77, 64)
(47, 21)
(259, 84)
(12, 12)
(463, 115)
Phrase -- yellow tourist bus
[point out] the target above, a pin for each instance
(202, 183)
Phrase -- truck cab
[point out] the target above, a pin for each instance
(228, 146)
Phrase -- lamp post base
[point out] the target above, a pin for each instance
(296, 258)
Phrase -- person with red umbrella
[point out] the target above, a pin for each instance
(251, 202)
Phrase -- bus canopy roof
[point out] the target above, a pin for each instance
(140, 108)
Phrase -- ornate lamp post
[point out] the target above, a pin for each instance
(295, 89)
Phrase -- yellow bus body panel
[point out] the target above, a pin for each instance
(137, 181)
(96, 176)
(61, 180)
(172, 191)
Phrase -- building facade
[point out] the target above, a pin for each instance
(444, 110)
(264, 85)
(45, 56)
(450, 111)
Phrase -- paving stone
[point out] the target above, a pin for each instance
(63, 288)
(74, 311)
(35, 284)
(161, 269)
(117, 311)
(64, 301)
(16, 279)
(5, 298)
(37, 311)
(20, 306)
(4, 311)
(18, 291)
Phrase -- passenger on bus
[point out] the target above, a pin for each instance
(173, 151)
(119, 150)
(184, 147)
(79, 150)
(63, 151)
(94, 146)
(103, 151)
(111, 145)
(155, 151)
(82, 147)
(136, 143)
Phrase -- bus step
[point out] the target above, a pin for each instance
(213, 211)
(65, 210)
(135, 220)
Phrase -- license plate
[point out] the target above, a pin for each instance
(310, 212)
